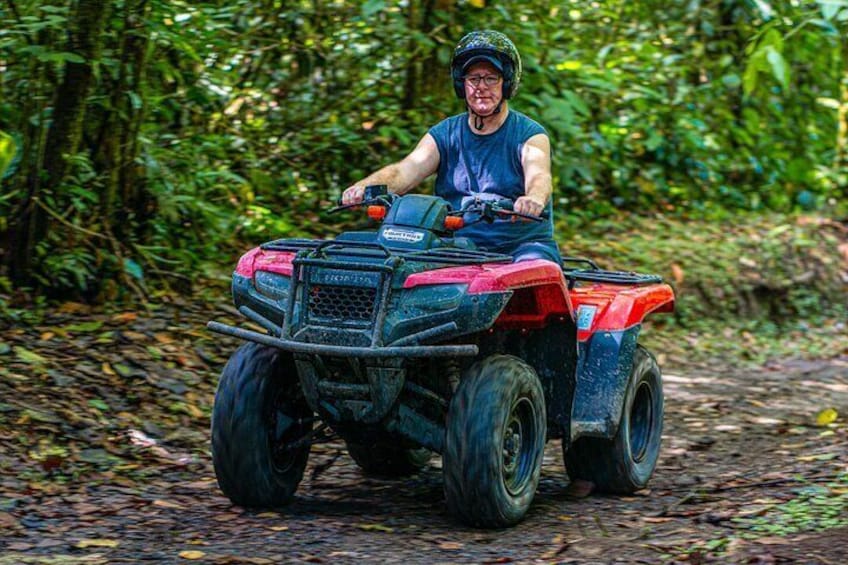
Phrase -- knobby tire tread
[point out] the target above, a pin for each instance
(605, 462)
(241, 451)
(474, 487)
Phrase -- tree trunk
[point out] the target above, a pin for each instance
(63, 137)
(123, 203)
(425, 75)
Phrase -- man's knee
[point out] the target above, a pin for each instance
(535, 250)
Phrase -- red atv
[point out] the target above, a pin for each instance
(408, 341)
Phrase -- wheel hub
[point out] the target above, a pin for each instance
(512, 446)
(285, 435)
(517, 446)
(641, 421)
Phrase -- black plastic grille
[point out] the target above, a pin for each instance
(341, 303)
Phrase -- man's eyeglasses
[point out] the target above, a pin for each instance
(488, 80)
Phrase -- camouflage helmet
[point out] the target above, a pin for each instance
(486, 45)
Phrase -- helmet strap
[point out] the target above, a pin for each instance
(478, 119)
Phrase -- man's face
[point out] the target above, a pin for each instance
(483, 98)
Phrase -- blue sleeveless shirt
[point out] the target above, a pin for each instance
(488, 166)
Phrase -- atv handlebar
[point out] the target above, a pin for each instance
(489, 210)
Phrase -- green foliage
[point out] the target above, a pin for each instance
(7, 152)
(758, 276)
(245, 120)
(815, 508)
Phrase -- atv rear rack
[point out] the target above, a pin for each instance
(595, 274)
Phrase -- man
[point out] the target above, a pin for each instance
(489, 152)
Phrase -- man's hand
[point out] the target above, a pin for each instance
(353, 195)
(530, 205)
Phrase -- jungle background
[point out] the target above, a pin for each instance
(145, 144)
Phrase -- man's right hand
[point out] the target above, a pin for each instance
(353, 195)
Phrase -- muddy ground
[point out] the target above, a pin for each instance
(104, 458)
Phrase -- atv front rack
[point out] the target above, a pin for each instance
(445, 255)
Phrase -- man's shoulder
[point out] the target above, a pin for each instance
(447, 126)
(451, 121)
(528, 124)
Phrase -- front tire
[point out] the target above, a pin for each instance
(625, 463)
(259, 422)
(495, 441)
(383, 460)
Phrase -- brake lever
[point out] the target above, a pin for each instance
(382, 200)
(515, 214)
(501, 210)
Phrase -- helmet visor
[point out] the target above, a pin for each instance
(495, 62)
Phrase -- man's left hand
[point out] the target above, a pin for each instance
(529, 205)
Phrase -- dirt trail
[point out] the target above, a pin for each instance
(104, 459)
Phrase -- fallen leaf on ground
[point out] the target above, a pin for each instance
(656, 520)
(166, 504)
(375, 528)
(7, 521)
(826, 416)
(28, 356)
(192, 554)
(564, 518)
(677, 273)
(125, 317)
(561, 545)
(84, 543)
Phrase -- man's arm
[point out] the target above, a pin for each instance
(403, 176)
(538, 184)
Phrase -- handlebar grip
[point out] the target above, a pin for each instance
(509, 206)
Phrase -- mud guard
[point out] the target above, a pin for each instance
(603, 370)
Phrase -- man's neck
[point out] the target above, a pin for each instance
(491, 123)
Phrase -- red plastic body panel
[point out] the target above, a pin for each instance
(492, 277)
(540, 291)
(279, 262)
(620, 307)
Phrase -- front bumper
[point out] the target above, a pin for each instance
(346, 351)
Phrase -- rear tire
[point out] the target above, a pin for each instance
(625, 463)
(495, 441)
(258, 418)
(382, 460)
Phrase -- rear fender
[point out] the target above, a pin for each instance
(603, 371)
(615, 308)
(609, 318)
